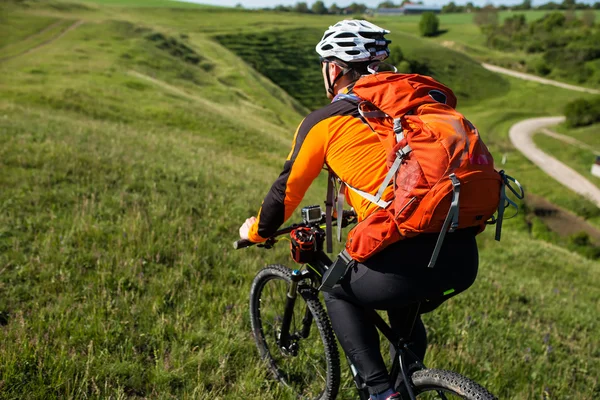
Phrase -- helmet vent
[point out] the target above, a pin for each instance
(354, 41)
(371, 35)
(346, 35)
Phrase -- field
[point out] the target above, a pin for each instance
(459, 33)
(133, 146)
(579, 155)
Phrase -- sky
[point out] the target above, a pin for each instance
(369, 3)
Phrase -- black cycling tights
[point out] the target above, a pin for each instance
(392, 280)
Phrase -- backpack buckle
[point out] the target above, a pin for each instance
(403, 152)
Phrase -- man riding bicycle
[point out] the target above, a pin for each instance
(339, 137)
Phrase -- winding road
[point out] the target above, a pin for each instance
(544, 81)
(522, 132)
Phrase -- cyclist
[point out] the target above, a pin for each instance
(397, 276)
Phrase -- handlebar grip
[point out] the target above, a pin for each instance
(242, 243)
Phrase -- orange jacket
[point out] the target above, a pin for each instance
(334, 135)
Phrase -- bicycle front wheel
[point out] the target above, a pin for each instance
(429, 383)
(310, 364)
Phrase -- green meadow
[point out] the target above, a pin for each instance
(459, 32)
(579, 155)
(136, 137)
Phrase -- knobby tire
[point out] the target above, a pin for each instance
(448, 382)
(309, 296)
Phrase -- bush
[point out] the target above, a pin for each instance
(581, 243)
(404, 67)
(583, 112)
(429, 24)
(174, 47)
(540, 67)
(396, 56)
(486, 17)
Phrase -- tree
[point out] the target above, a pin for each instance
(429, 24)
(318, 7)
(396, 56)
(552, 21)
(301, 7)
(387, 4)
(571, 17)
(452, 8)
(486, 17)
(334, 9)
(356, 8)
(597, 5)
(525, 5)
(583, 112)
(588, 18)
(549, 6)
(515, 24)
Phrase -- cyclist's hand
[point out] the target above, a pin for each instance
(245, 228)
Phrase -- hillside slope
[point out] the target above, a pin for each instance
(131, 149)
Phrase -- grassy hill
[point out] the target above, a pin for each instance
(459, 32)
(279, 54)
(133, 145)
(579, 155)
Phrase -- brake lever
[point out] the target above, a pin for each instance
(268, 244)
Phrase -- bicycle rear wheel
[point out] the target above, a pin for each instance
(310, 366)
(428, 383)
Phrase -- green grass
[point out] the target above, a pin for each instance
(287, 57)
(127, 168)
(149, 3)
(580, 158)
(40, 38)
(19, 27)
(495, 116)
(461, 34)
(587, 134)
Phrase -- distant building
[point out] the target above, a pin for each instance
(408, 9)
(389, 11)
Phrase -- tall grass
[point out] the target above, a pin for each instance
(126, 171)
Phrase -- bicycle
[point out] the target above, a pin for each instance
(310, 364)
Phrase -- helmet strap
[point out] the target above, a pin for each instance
(330, 84)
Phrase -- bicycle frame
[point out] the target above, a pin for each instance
(315, 270)
(403, 355)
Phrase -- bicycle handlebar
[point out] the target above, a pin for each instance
(242, 243)
(347, 216)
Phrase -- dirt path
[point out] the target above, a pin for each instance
(47, 42)
(521, 137)
(534, 78)
(569, 140)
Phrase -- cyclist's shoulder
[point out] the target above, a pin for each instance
(340, 107)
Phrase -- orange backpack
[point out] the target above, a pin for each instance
(443, 174)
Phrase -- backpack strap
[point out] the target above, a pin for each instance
(400, 156)
(329, 210)
(505, 201)
(341, 197)
(451, 219)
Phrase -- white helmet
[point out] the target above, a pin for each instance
(354, 41)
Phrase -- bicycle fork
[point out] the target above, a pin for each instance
(292, 294)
